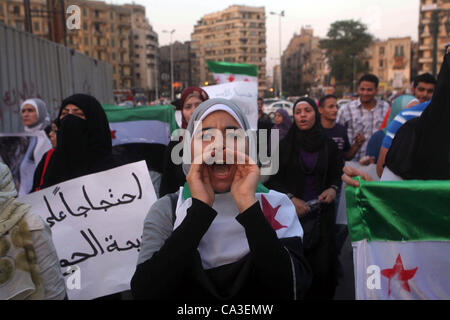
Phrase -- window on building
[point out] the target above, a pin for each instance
(114, 69)
(36, 26)
(84, 11)
(16, 10)
(138, 75)
(113, 56)
(112, 28)
(113, 43)
(111, 15)
(381, 50)
(86, 41)
(86, 52)
(98, 40)
(85, 26)
(2, 13)
(381, 64)
(99, 55)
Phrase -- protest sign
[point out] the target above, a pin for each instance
(22, 152)
(96, 223)
(244, 94)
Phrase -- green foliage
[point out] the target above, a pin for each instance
(347, 40)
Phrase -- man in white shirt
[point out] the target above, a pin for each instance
(363, 117)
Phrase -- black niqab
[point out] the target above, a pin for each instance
(421, 148)
(84, 145)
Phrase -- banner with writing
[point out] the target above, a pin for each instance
(96, 224)
(244, 94)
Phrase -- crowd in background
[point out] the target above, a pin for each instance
(404, 139)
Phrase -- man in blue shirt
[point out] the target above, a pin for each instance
(399, 120)
(424, 85)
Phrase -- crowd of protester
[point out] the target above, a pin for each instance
(216, 244)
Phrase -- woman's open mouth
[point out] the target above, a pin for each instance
(220, 171)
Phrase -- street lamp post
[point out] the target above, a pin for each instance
(171, 63)
(281, 14)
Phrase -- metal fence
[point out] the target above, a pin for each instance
(33, 67)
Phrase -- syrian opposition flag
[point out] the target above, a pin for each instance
(400, 233)
(225, 242)
(143, 124)
(225, 72)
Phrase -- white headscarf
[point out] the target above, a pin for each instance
(41, 110)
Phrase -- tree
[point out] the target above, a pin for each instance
(344, 47)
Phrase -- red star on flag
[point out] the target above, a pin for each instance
(399, 273)
(246, 79)
(270, 213)
(113, 134)
(231, 78)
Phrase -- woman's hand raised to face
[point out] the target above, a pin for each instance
(245, 181)
(199, 180)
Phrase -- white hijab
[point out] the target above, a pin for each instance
(41, 110)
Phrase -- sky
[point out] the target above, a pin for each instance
(385, 18)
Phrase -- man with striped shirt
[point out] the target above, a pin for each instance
(363, 117)
(423, 91)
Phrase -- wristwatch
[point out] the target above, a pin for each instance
(336, 188)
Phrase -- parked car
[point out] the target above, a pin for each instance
(271, 108)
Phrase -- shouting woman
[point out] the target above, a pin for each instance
(221, 236)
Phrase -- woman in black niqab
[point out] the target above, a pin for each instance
(83, 143)
(421, 148)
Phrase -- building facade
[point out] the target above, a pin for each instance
(434, 34)
(304, 65)
(12, 12)
(107, 32)
(144, 53)
(182, 63)
(391, 62)
(236, 34)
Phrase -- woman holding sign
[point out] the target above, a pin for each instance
(223, 235)
(83, 143)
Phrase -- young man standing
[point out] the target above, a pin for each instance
(365, 115)
(328, 113)
(423, 90)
